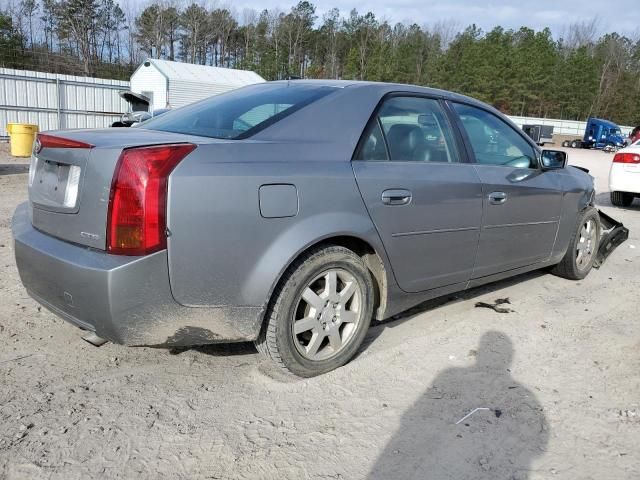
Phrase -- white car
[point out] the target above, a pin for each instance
(624, 176)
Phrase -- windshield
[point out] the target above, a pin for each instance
(240, 113)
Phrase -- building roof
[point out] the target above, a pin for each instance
(204, 73)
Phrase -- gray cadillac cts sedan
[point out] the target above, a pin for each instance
(291, 214)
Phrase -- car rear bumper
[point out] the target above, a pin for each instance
(123, 299)
(624, 178)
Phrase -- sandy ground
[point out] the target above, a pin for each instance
(559, 377)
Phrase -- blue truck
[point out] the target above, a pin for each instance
(600, 134)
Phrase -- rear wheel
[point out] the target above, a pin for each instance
(621, 199)
(566, 144)
(320, 312)
(574, 144)
(583, 247)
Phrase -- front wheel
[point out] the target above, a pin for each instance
(319, 313)
(583, 247)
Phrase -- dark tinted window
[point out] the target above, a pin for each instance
(415, 129)
(493, 141)
(240, 113)
(372, 146)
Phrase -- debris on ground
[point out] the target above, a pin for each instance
(471, 413)
(495, 306)
(16, 358)
(496, 411)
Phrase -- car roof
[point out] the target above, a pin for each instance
(380, 89)
(386, 87)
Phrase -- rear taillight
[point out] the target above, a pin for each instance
(138, 201)
(626, 157)
(50, 141)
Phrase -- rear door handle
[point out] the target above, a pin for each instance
(396, 197)
(497, 198)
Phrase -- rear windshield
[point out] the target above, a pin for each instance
(240, 113)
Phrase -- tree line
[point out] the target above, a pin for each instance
(572, 75)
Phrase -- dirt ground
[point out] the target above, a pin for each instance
(558, 379)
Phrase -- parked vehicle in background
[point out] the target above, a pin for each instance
(540, 134)
(292, 213)
(600, 134)
(139, 110)
(132, 119)
(634, 136)
(624, 175)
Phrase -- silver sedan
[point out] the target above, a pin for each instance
(293, 213)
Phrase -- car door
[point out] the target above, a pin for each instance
(424, 199)
(521, 202)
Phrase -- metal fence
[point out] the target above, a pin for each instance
(54, 101)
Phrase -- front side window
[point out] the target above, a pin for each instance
(240, 113)
(409, 129)
(493, 141)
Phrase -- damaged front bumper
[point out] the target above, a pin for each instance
(613, 234)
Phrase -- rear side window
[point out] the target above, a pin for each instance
(409, 129)
(373, 146)
(240, 113)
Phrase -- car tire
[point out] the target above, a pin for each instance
(621, 199)
(566, 144)
(583, 247)
(574, 144)
(319, 313)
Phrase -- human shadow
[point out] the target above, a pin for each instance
(499, 441)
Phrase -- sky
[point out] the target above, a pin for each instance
(621, 15)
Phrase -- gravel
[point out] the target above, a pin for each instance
(561, 368)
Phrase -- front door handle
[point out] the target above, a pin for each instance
(497, 198)
(396, 197)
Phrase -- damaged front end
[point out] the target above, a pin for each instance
(612, 235)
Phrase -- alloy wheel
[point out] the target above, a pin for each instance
(327, 314)
(586, 246)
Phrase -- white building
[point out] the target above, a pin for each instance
(175, 84)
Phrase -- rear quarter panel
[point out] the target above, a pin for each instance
(222, 251)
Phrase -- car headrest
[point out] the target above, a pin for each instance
(405, 141)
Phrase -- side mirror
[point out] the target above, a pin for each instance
(553, 159)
